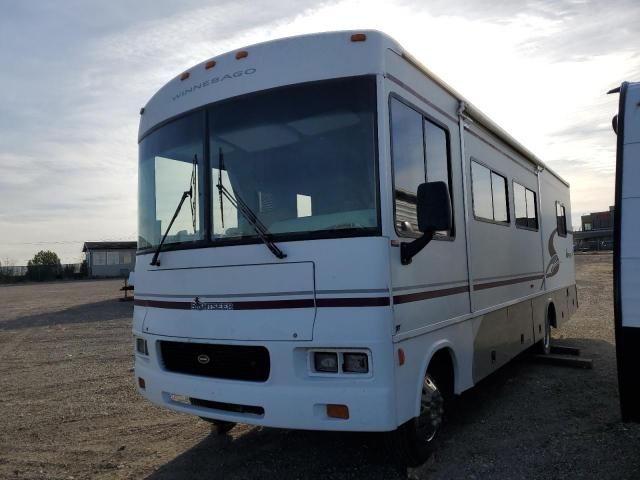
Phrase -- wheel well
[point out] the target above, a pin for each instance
(442, 369)
(551, 315)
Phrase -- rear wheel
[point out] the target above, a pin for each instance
(544, 345)
(546, 340)
(415, 438)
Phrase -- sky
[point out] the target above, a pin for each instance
(75, 74)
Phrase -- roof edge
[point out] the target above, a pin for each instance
(480, 118)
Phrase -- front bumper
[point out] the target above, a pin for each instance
(290, 397)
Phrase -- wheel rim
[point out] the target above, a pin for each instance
(431, 410)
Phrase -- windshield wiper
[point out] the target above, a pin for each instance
(246, 212)
(188, 193)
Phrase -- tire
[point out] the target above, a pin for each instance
(546, 340)
(544, 345)
(220, 427)
(414, 440)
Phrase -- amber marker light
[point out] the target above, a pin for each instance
(184, 76)
(338, 411)
(242, 54)
(210, 64)
(401, 358)
(358, 37)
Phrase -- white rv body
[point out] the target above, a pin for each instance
(478, 296)
(626, 261)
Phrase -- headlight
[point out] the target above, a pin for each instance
(340, 361)
(141, 346)
(355, 363)
(326, 362)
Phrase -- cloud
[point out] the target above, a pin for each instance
(68, 129)
(80, 71)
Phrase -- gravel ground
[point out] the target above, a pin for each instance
(68, 407)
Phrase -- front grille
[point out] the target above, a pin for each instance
(233, 362)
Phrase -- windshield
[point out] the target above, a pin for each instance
(168, 158)
(301, 158)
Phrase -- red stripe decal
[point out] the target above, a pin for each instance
(250, 305)
(330, 302)
(502, 283)
(353, 302)
(268, 304)
(416, 297)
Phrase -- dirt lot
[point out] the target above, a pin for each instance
(68, 407)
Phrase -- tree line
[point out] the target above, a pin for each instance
(45, 265)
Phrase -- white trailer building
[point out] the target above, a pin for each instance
(626, 260)
(297, 289)
(109, 259)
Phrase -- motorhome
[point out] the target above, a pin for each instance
(332, 238)
(626, 259)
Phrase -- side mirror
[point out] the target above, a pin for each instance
(433, 209)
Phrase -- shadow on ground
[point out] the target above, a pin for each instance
(87, 313)
(512, 424)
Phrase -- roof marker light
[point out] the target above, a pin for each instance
(358, 37)
(210, 64)
(184, 76)
(242, 54)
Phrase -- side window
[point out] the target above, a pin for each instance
(561, 219)
(420, 152)
(407, 146)
(99, 258)
(435, 140)
(482, 200)
(520, 204)
(532, 209)
(489, 194)
(526, 208)
(500, 203)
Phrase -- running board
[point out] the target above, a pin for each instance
(564, 356)
(562, 350)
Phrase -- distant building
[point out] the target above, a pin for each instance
(110, 259)
(596, 232)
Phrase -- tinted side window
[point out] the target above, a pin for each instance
(520, 204)
(437, 159)
(500, 205)
(408, 163)
(526, 208)
(561, 220)
(435, 139)
(532, 209)
(482, 198)
(490, 194)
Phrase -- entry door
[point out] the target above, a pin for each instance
(424, 148)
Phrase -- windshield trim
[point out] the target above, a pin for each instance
(208, 242)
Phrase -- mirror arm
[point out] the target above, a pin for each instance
(410, 250)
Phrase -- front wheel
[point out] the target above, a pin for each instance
(417, 436)
(219, 427)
